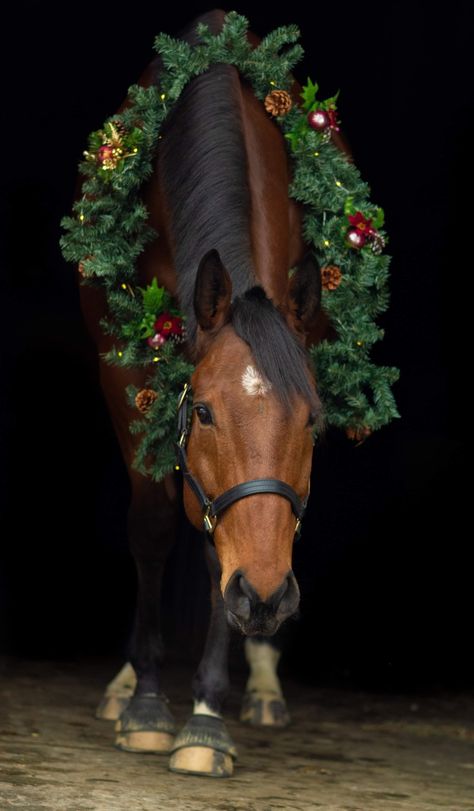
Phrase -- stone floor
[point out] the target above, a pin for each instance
(349, 751)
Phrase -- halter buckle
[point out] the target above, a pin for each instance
(183, 395)
(208, 525)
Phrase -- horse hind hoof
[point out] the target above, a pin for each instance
(146, 725)
(203, 747)
(110, 708)
(117, 695)
(264, 709)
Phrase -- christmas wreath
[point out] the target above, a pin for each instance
(109, 230)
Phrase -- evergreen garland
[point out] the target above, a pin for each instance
(109, 231)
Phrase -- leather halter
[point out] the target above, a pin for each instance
(211, 509)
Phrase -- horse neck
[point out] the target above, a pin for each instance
(271, 243)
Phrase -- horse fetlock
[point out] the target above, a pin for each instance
(204, 747)
(146, 725)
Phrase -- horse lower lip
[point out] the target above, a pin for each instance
(247, 628)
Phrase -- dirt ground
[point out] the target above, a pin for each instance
(349, 751)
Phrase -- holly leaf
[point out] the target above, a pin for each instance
(309, 95)
(330, 104)
(147, 325)
(153, 297)
(349, 207)
(379, 218)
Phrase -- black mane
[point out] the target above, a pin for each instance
(203, 172)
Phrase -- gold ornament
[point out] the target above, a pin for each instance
(112, 150)
(278, 102)
(331, 277)
(145, 399)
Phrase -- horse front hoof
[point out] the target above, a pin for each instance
(204, 747)
(264, 709)
(110, 708)
(146, 725)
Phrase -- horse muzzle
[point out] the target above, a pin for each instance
(248, 613)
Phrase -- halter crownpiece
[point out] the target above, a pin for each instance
(211, 509)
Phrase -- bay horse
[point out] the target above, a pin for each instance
(228, 236)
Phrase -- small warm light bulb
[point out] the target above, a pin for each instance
(123, 286)
(316, 154)
(120, 354)
(81, 217)
(360, 343)
(156, 359)
(338, 183)
(272, 83)
(326, 243)
(162, 96)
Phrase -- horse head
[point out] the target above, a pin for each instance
(254, 410)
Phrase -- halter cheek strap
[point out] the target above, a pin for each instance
(211, 509)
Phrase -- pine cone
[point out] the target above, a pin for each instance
(359, 434)
(378, 243)
(82, 268)
(278, 102)
(145, 399)
(331, 277)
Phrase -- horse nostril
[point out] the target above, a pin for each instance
(287, 597)
(246, 588)
(239, 596)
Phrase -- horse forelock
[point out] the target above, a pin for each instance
(280, 358)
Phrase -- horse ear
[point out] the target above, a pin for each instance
(304, 294)
(212, 292)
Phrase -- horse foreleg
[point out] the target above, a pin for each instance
(204, 746)
(263, 703)
(146, 724)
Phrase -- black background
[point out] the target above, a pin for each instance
(383, 563)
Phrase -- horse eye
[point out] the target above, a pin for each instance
(204, 415)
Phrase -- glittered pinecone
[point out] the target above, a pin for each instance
(145, 399)
(330, 277)
(378, 243)
(278, 102)
(358, 434)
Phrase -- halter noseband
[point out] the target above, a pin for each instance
(212, 509)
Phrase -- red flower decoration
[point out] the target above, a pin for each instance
(363, 224)
(168, 324)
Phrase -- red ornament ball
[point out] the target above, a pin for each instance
(318, 120)
(355, 238)
(104, 153)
